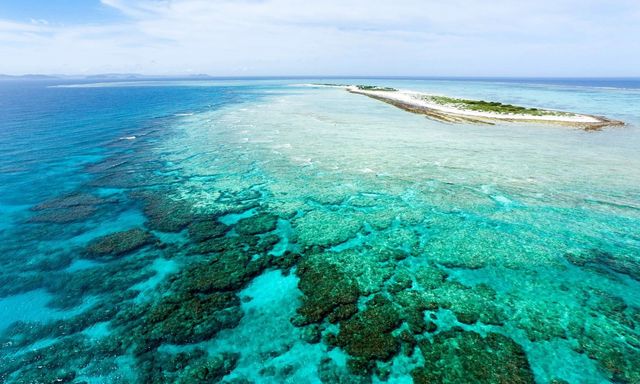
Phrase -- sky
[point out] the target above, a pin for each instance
(538, 38)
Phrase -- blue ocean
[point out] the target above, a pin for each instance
(267, 231)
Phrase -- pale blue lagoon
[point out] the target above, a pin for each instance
(268, 231)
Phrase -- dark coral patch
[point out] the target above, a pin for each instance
(164, 213)
(227, 271)
(342, 312)
(119, 243)
(64, 215)
(184, 318)
(67, 209)
(72, 200)
(205, 229)
(325, 288)
(457, 356)
(218, 244)
(209, 370)
(260, 223)
(367, 335)
(606, 261)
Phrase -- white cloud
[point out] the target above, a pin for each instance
(280, 37)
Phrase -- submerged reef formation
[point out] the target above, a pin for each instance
(119, 243)
(379, 302)
(457, 356)
(226, 263)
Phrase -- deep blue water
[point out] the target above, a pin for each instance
(48, 133)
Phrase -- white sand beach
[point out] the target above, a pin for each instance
(428, 104)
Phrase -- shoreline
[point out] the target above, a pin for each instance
(452, 110)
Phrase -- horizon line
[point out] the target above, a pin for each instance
(133, 76)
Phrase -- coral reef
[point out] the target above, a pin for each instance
(206, 228)
(260, 223)
(368, 335)
(229, 255)
(325, 228)
(601, 260)
(325, 289)
(187, 319)
(457, 356)
(163, 212)
(117, 244)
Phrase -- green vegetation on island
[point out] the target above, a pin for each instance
(375, 88)
(456, 110)
(491, 106)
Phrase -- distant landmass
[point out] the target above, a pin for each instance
(26, 77)
(105, 76)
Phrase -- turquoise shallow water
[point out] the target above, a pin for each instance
(267, 231)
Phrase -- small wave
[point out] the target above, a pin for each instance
(128, 138)
(184, 114)
(317, 85)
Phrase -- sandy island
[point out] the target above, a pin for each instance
(455, 110)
